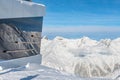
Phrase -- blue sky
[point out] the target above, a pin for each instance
(82, 14)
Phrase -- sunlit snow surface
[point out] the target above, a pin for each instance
(38, 72)
(69, 59)
(83, 57)
(34, 72)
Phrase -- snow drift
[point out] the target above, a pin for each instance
(84, 57)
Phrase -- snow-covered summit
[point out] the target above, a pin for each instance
(84, 57)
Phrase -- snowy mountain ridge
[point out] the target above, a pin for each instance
(84, 57)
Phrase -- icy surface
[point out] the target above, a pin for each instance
(83, 57)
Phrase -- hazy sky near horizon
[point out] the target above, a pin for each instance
(81, 13)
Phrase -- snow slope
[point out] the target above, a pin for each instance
(34, 71)
(83, 57)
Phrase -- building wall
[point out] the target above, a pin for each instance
(20, 8)
(25, 24)
(20, 37)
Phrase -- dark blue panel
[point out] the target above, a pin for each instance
(25, 24)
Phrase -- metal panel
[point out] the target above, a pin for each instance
(20, 37)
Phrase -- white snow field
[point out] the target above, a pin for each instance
(86, 58)
(83, 57)
(12, 70)
(31, 71)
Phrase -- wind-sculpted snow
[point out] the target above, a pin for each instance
(84, 57)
